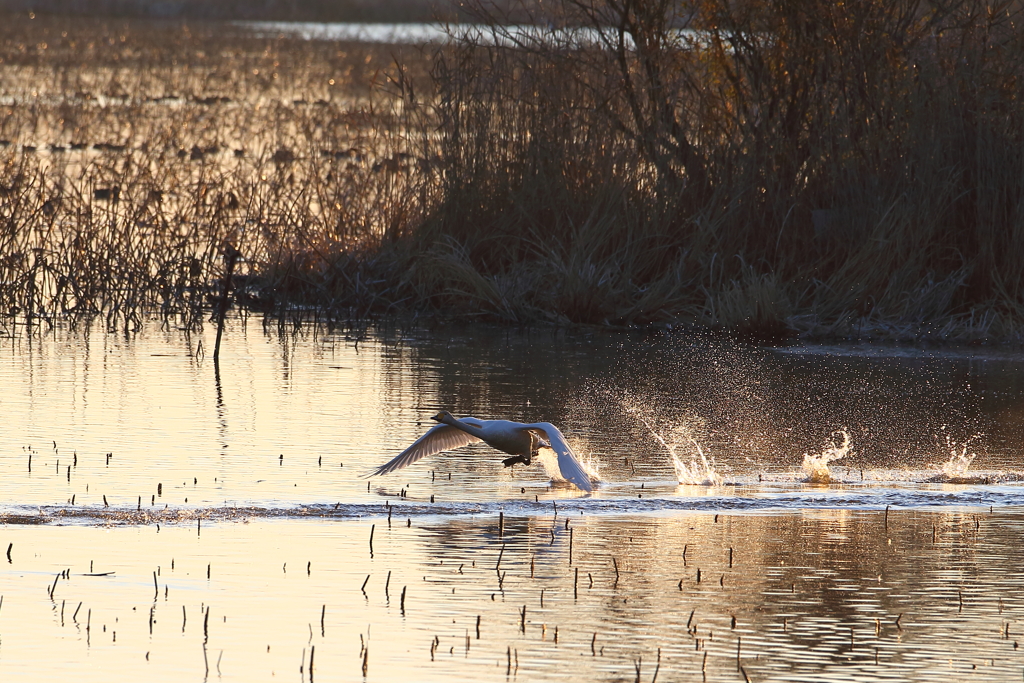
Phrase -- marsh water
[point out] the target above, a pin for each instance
(801, 513)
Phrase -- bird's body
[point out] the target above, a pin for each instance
(518, 439)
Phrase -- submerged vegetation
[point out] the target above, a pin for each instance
(765, 168)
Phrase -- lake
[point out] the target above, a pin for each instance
(804, 513)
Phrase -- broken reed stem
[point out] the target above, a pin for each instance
(500, 553)
(230, 257)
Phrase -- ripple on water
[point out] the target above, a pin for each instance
(221, 525)
(762, 497)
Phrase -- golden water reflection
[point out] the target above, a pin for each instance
(299, 417)
(172, 526)
(827, 594)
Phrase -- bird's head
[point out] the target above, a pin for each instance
(442, 415)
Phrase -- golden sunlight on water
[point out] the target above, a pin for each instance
(833, 594)
(163, 521)
(297, 418)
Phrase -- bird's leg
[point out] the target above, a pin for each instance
(535, 444)
(526, 458)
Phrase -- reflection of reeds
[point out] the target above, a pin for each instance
(810, 167)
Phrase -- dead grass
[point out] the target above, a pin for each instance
(788, 168)
(133, 152)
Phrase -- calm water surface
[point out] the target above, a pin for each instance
(168, 521)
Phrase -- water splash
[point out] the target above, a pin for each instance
(816, 466)
(588, 461)
(956, 468)
(701, 470)
(702, 473)
(590, 465)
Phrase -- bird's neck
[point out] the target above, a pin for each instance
(468, 428)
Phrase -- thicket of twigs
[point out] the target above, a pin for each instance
(830, 168)
(767, 168)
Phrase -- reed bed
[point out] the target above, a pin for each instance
(768, 169)
(133, 153)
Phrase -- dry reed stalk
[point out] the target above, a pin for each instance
(787, 168)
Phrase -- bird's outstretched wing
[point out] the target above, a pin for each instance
(568, 465)
(439, 438)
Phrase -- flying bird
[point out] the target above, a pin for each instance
(518, 439)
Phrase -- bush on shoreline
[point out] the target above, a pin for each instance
(807, 165)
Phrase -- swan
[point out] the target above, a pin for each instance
(518, 439)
